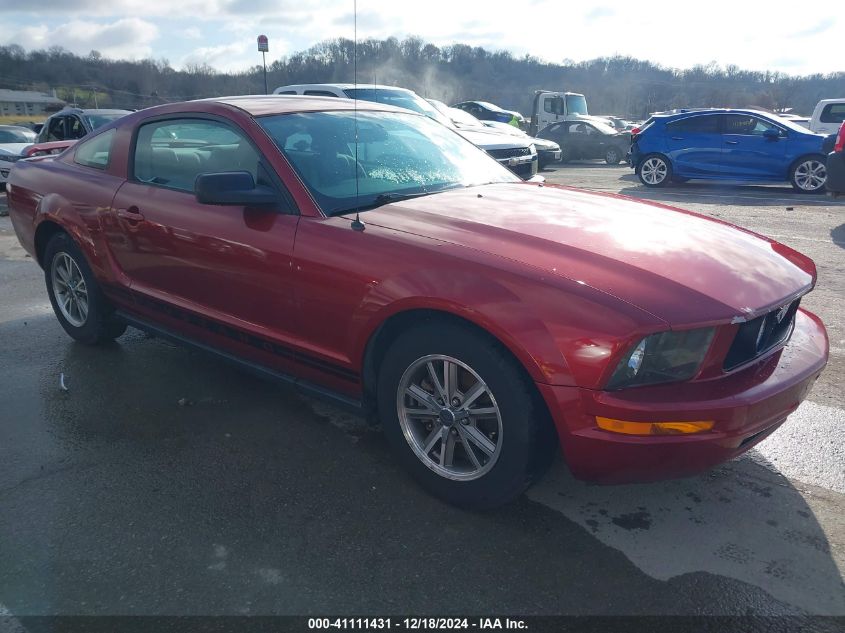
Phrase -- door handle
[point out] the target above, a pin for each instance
(731, 142)
(132, 214)
(677, 138)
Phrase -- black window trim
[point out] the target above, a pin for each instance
(291, 208)
(827, 109)
(697, 115)
(783, 131)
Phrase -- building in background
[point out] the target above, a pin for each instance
(23, 103)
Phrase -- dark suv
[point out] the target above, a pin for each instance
(727, 144)
(74, 123)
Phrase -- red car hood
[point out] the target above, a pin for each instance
(679, 266)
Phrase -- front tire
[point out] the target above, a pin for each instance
(655, 171)
(77, 300)
(462, 417)
(808, 174)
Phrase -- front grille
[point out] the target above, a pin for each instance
(510, 152)
(756, 337)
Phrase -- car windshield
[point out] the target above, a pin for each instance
(397, 155)
(576, 104)
(99, 120)
(604, 128)
(489, 106)
(400, 99)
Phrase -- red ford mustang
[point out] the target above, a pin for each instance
(375, 256)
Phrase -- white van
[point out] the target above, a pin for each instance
(828, 116)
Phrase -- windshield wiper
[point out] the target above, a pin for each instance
(386, 198)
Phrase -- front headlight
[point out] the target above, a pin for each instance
(11, 158)
(663, 357)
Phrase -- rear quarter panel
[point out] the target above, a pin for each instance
(72, 196)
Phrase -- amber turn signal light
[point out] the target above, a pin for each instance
(653, 428)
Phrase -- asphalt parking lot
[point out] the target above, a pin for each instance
(165, 482)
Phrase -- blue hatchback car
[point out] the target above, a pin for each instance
(727, 144)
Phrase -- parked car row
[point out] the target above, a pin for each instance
(518, 154)
(57, 133)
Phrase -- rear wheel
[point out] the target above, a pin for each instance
(655, 171)
(77, 300)
(613, 155)
(462, 417)
(809, 174)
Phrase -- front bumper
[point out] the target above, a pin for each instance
(835, 183)
(548, 156)
(746, 406)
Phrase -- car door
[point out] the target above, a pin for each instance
(694, 145)
(748, 152)
(557, 132)
(596, 142)
(578, 141)
(213, 272)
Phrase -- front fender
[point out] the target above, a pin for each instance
(560, 336)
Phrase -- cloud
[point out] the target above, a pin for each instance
(546, 29)
(820, 27)
(598, 13)
(124, 38)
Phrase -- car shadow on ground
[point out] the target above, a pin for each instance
(723, 193)
(165, 481)
(838, 235)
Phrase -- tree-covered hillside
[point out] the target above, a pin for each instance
(613, 85)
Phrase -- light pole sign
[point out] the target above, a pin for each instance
(263, 48)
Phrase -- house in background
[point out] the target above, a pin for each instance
(23, 103)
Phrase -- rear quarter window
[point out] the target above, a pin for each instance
(95, 152)
(705, 124)
(833, 113)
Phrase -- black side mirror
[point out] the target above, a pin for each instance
(236, 188)
(772, 134)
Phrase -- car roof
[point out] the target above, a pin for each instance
(262, 105)
(345, 86)
(65, 111)
(692, 112)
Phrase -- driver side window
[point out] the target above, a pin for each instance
(174, 152)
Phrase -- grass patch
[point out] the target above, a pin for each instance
(17, 119)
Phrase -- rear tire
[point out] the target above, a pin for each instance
(79, 304)
(654, 170)
(808, 174)
(613, 156)
(487, 439)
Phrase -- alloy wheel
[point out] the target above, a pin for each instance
(70, 289)
(653, 171)
(810, 175)
(449, 417)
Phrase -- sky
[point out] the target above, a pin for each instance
(776, 36)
